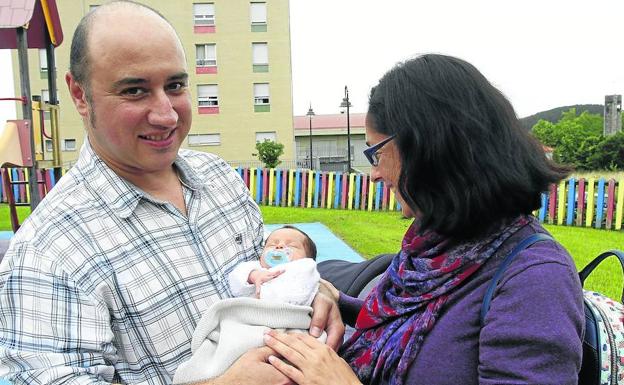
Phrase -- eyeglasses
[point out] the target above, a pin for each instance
(371, 152)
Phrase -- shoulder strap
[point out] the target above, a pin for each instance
(593, 264)
(537, 237)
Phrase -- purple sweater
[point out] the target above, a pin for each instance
(532, 332)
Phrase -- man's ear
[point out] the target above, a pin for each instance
(78, 95)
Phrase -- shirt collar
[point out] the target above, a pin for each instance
(120, 195)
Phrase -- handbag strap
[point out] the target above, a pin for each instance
(583, 274)
(525, 243)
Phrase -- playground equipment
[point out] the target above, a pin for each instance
(29, 24)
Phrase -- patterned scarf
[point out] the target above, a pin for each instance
(403, 307)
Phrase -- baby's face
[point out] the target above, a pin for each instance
(286, 238)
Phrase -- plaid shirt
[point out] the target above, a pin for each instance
(104, 283)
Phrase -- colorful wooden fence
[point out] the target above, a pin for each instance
(588, 203)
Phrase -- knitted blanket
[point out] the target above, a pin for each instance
(231, 327)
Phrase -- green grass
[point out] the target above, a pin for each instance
(373, 233)
(5, 219)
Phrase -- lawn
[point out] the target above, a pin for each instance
(373, 233)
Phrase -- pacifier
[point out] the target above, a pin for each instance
(276, 257)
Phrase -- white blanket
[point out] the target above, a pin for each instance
(233, 326)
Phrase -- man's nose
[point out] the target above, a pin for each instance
(162, 112)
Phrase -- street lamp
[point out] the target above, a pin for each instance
(346, 104)
(310, 114)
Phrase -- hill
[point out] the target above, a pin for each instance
(555, 114)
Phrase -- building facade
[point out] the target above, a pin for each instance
(240, 78)
(329, 142)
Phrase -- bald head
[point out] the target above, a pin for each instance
(100, 18)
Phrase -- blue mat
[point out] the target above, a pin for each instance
(328, 245)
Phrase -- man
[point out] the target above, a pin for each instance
(106, 280)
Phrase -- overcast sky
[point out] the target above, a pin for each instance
(540, 53)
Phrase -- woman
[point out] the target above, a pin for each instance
(450, 146)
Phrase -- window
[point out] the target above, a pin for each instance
(208, 99)
(260, 52)
(48, 145)
(261, 97)
(69, 145)
(43, 60)
(204, 139)
(206, 55)
(258, 13)
(208, 95)
(203, 14)
(262, 136)
(45, 98)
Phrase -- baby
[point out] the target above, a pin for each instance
(282, 285)
(286, 271)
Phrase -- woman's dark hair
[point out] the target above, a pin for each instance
(467, 165)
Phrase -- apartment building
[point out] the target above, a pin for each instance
(238, 55)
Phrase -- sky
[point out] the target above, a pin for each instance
(541, 54)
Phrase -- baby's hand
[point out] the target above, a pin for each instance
(258, 277)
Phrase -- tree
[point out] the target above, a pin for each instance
(269, 152)
(574, 138)
(609, 154)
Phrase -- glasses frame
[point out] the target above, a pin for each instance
(371, 152)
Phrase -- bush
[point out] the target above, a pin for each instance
(269, 152)
(609, 154)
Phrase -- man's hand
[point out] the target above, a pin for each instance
(252, 368)
(258, 277)
(325, 316)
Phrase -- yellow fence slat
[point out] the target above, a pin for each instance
(619, 208)
(252, 182)
(561, 204)
(391, 203)
(351, 188)
(330, 190)
(291, 182)
(591, 191)
(310, 187)
(271, 183)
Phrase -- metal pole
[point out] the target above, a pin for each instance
(348, 132)
(51, 63)
(22, 53)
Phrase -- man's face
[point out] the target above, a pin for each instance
(139, 111)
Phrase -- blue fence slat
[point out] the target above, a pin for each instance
(16, 192)
(239, 170)
(600, 203)
(258, 185)
(278, 187)
(338, 187)
(378, 195)
(317, 188)
(297, 187)
(358, 181)
(571, 202)
(544, 208)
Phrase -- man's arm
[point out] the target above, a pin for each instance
(50, 329)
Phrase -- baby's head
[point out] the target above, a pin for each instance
(287, 242)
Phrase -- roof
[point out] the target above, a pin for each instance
(329, 121)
